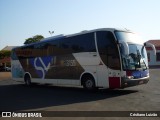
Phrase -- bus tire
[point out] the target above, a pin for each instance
(27, 80)
(88, 83)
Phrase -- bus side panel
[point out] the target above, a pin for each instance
(89, 61)
(102, 76)
(17, 70)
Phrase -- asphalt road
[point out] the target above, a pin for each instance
(15, 96)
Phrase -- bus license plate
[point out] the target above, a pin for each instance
(141, 82)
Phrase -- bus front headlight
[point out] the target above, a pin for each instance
(129, 77)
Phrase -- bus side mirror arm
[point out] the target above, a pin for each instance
(126, 48)
(150, 45)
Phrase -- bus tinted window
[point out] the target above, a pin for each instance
(69, 45)
(108, 49)
(79, 43)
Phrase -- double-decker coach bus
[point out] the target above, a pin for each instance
(107, 58)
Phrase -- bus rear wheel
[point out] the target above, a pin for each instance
(89, 83)
(27, 80)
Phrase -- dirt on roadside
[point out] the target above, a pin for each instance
(5, 75)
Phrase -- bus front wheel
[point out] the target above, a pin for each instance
(89, 83)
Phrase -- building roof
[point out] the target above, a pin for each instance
(9, 47)
(156, 43)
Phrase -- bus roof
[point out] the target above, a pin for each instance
(70, 35)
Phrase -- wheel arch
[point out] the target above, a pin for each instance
(27, 73)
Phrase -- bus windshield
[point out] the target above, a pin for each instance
(137, 58)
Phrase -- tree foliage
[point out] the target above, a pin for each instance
(33, 39)
(5, 53)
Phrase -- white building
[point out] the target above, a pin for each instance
(154, 61)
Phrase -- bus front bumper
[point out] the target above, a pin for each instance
(133, 82)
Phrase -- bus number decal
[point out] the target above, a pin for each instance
(69, 63)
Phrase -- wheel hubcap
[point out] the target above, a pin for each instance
(89, 84)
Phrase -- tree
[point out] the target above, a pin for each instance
(33, 39)
(4, 53)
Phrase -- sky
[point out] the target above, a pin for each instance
(21, 19)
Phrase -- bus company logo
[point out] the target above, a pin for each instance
(42, 65)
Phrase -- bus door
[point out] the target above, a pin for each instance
(109, 69)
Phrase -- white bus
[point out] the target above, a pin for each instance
(101, 58)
